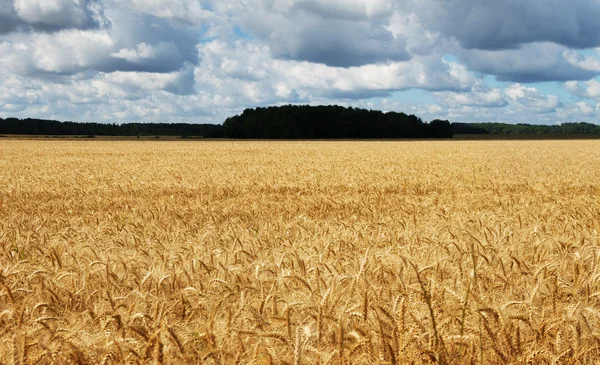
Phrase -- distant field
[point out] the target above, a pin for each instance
(524, 136)
(227, 252)
(460, 137)
(93, 137)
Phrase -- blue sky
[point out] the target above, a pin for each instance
(197, 61)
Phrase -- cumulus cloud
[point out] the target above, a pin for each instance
(9, 22)
(181, 82)
(56, 14)
(588, 63)
(159, 45)
(134, 43)
(420, 40)
(161, 57)
(260, 78)
(49, 15)
(495, 25)
(188, 11)
(346, 9)
(532, 99)
(340, 43)
(517, 98)
(479, 95)
(587, 89)
(578, 112)
(70, 51)
(534, 62)
(114, 97)
(352, 34)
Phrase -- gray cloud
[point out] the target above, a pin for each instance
(493, 25)
(183, 83)
(149, 44)
(345, 9)
(312, 31)
(338, 43)
(9, 22)
(355, 94)
(531, 63)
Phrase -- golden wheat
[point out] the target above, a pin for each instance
(299, 252)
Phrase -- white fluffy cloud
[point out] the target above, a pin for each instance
(188, 11)
(532, 99)
(264, 79)
(479, 95)
(588, 89)
(133, 42)
(181, 82)
(53, 13)
(587, 63)
(49, 15)
(70, 51)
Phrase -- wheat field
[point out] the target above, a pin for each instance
(174, 252)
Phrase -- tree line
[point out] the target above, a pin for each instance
(330, 122)
(296, 122)
(521, 128)
(53, 127)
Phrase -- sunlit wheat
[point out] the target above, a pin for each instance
(299, 252)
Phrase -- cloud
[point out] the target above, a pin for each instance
(70, 51)
(338, 43)
(260, 78)
(578, 112)
(170, 45)
(115, 97)
(181, 82)
(587, 89)
(9, 22)
(531, 63)
(161, 57)
(479, 95)
(420, 40)
(516, 103)
(516, 97)
(135, 43)
(587, 63)
(328, 33)
(345, 9)
(508, 24)
(49, 15)
(188, 11)
(530, 98)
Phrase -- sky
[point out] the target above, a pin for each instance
(201, 61)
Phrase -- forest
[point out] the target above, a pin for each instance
(521, 128)
(330, 122)
(52, 127)
(296, 122)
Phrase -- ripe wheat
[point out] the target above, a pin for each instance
(299, 252)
